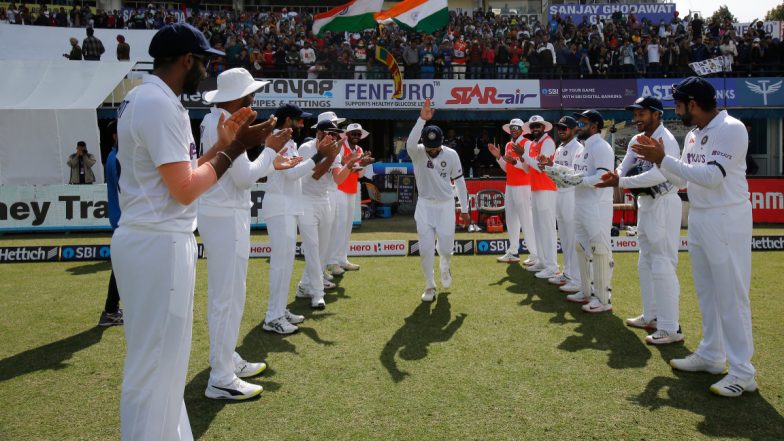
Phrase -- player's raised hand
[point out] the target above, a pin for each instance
(228, 128)
(276, 141)
(366, 159)
(427, 112)
(649, 149)
(328, 147)
(520, 150)
(253, 135)
(494, 150)
(352, 158)
(510, 159)
(283, 162)
(609, 179)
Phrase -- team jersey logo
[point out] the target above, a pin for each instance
(565, 153)
(430, 164)
(443, 163)
(585, 156)
(704, 140)
(192, 151)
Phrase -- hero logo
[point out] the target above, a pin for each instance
(486, 95)
(767, 200)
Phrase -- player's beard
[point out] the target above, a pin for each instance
(687, 118)
(583, 134)
(192, 79)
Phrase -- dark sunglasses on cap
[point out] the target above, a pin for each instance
(203, 59)
(515, 128)
(581, 124)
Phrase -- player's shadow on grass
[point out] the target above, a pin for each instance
(52, 356)
(423, 327)
(603, 332)
(91, 268)
(749, 417)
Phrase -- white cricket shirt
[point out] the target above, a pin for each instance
(651, 176)
(594, 159)
(564, 156)
(433, 175)
(284, 187)
(318, 189)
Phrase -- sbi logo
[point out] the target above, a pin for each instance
(68, 253)
(104, 252)
(483, 246)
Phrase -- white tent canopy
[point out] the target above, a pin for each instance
(46, 107)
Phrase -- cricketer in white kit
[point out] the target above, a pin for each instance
(659, 226)
(713, 169)
(154, 250)
(224, 226)
(569, 279)
(435, 168)
(316, 222)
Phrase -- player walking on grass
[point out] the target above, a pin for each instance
(154, 250)
(435, 168)
(517, 198)
(713, 169)
(659, 226)
(224, 226)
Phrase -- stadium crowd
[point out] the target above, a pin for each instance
(481, 44)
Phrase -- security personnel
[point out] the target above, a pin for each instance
(154, 250)
(224, 226)
(713, 169)
(517, 198)
(659, 226)
(569, 279)
(435, 168)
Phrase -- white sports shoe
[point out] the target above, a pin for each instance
(732, 386)
(639, 322)
(662, 337)
(529, 261)
(695, 363)
(328, 276)
(446, 279)
(559, 279)
(329, 285)
(545, 274)
(245, 369)
(348, 266)
(595, 306)
(570, 287)
(429, 295)
(302, 293)
(578, 297)
(317, 302)
(280, 326)
(335, 270)
(294, 319)
(236, 390)
(534, 268)
(509, 257)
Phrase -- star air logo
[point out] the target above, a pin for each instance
(704, 140)
(763, 88)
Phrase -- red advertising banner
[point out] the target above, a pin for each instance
(767, 200)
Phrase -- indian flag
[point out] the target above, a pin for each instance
(419, 15)
(357, 15)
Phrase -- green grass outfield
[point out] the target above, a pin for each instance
(502, 356)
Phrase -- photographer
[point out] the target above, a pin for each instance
(81, 164)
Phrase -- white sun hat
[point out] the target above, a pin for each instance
(514, 122)
(328, 116)
(536, 119)
(357, 126)
(233, 84)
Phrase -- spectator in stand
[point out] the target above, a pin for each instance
(696, 27)
(76, 51)
(475, 51)
(653, 51)
(360, 61)
(728, 48)
(460, 48)
(307, 55)
(757, 57)
(92, 47)
(488, 61)
(123, 49)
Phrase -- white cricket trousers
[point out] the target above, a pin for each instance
(544, 228)
(155, 273)
(517, 210)
(435, 220)
(659, 228)
(315, 227)
(594, 249)
(564, 215)
(225, 233)
(282, 231)
(720, 249)
(345, 204)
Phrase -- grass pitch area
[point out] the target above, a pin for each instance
(501, 356)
